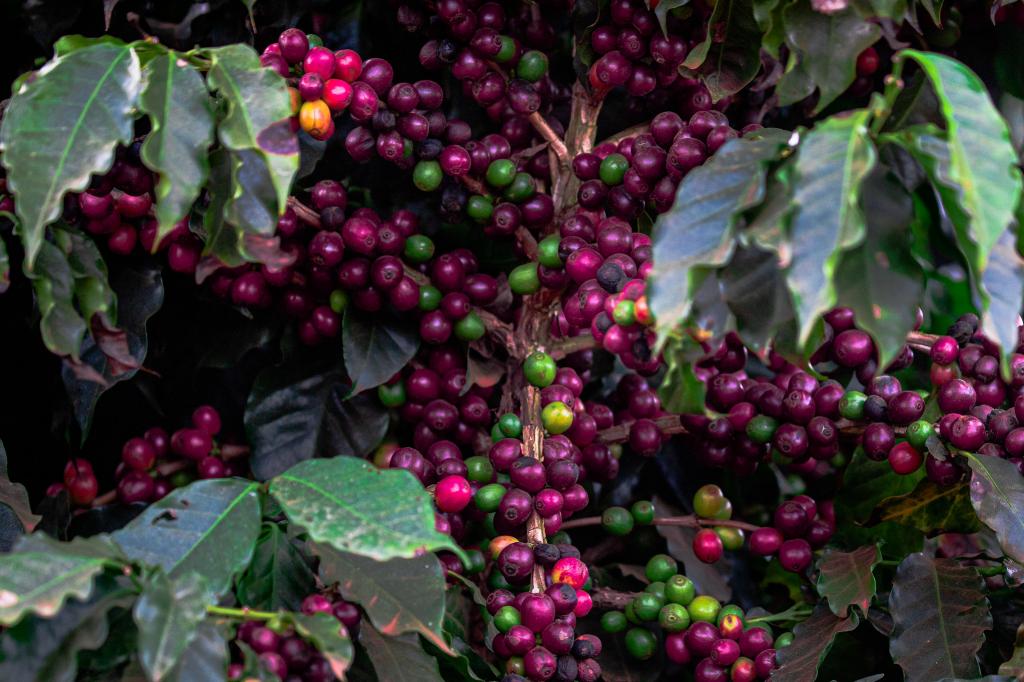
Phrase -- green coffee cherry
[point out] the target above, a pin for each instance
(427, 176)
(523, 280)
(617, 521)
(539, 368)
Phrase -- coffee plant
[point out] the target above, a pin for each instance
(464, 341)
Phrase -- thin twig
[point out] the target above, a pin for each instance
(691, 521)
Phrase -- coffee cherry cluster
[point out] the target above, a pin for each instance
(848, 348)
(284, 653)
(697, 630)
(800, 526)
(322, 82)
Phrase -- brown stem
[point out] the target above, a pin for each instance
(620, 433)
(559, 349)
(542, 127)
(607, 598)
(579, 138)
(415, 275)
(304, 213)
(528, 242)
(691, 521)
(473, 185)
(500, 331)
(631, 131)
(533, 446)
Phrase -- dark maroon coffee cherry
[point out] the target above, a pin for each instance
(956, 395)
(852, 347)
(516, 563)
(795, 555)
(765, 541)
(906, 407)
(528, 473)
(515, 507)
(791, 440)
(878, 440)
(967, 433)
(792, 519)
(134, 486)
(944, 350)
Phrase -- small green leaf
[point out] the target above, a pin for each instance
(768, 14)
(257, 119)
(812, 639)
(729, 57)
(324, 632)
(997, 494)
(168, 615)
(376, 348)
(832, 162)
(62, 127)
(178, 105)
(351, 505)
(931, 509)
(41, 574)
(60, 324)
(846, 579)
(279, 575)
(698, 230)
(940, 615)
(399, 595)
(681, 391)
(399, 659)
(828, 46)
(209, 527)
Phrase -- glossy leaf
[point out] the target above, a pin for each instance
(812, 639)
(400, 658)
(60, 324)
(15, 496)
(931, 509)
(399, 595)
(324, 632)
(297, 411)
(354, 507)
(878, 279)
(209, 527)
(940, 615)
(974, 165)
(179, 109)
(828, 46)
(754, 288)
(847, 579)
(41, 649)
(681, 391)
(279, 575)
(832, 162)
(1003, 279)
(376, 348)
(41, 574)
(168, 615)
(205, 659)
(258, 109)
(997, 494)
(64, 126)
(729, 57)
(698, 230)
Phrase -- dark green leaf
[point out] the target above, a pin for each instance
(832, 162)
(1003, 279)
(681, 391)
(768, 14)
(258, 109)
(205, 659)
(296, 412)
(997, 494)
(399, 595)
(324, 632)
(698, 230)
(754, 287)
(879, 279)
(729, 57)
(15, 496)
(1008, 57)
(812, 639)
(399, 659)
(42, 574)
(168, 615)
(931, 509)
(847, 579)
(60, 324)
(5, 267)
(828, 46)
(178, 105)
(354, 507)
(376, 348)
(973, 164)
(45, 649)
(279, 576)
(64, 126)
(940, 615)
(140, 294)
(663, 8)
(209, 527)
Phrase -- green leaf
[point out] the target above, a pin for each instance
(931, 509)
(663, 8)
(729, 57)
(354, 507)
(399, 659)
(376, 348)
(205, 659)
(1003, 279)
(324, 632)
(754, 287)
(698, 230)
(297, 411)
(168, 615)
(41, 574)
(257, 120)
(974, 165)
(64, 126)
(846, 579)
(279, 575)
(768, 14)
(832, 162)
(209, 527)
(5, 266)
(178, 106)
(940, 615)
(879, 279)
(61, 326)
(828, 46)
(681, 391)
(15, 496)
(399, 595)
(46, 649)
(812, 639)
(997, 494)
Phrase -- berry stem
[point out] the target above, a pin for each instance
(793, 613)
(559, 349)
(244, 613)
(304, 213)
(542, 127)
(691, 521)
